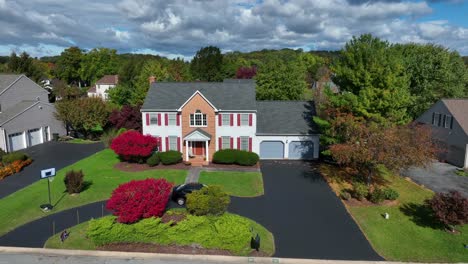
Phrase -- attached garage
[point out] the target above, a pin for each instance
(16, 141)
(271, 150)
(34, 136)
(301, 150)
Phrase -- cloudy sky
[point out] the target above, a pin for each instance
(180, 27)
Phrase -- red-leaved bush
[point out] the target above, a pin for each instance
(133, 146)
(451, 208)
(136, 200)
(246, 72)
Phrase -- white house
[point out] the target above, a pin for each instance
(102, 86)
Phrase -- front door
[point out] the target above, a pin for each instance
(198, 148)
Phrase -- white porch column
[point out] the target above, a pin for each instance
(186, 151)
(206, 148)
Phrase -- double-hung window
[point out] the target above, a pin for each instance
(448, 121)
(226, 119)
(244, 143)
(153, 119)
(226, 142)
(172, 142)
(198, 120)
(244, 119)
(171, 119)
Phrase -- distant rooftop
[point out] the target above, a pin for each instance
(459, 110)
(109, 79)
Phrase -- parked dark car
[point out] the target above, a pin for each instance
(179, 192)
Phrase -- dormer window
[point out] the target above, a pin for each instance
(198, 119)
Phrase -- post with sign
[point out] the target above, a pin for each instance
(49, 175)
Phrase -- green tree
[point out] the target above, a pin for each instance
(207, 64)
(83, 115)
(372, 75)
(279, 80)
(28, 66)
(69, 64)
(121, 94)
(434, 73)
(179, 70)
(150, 68)
(97, 63)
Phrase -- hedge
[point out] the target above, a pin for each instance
(235, 156)
(228, 231)
(170, 157)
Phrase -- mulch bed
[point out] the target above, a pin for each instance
(174, 217)
(356, 202)
(231, 166)
(170, 249)
(134, 167)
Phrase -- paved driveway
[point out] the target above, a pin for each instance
(48, 155)
(305, 216)
(439, 177)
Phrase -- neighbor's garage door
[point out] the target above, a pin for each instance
(271, 150)
(34, 136)
(16, 141)
(301, 150)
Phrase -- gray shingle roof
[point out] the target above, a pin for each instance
(459, 110)
(203, 132)
(7, 79)
(286, 118)
(14, 110)
(223, 95)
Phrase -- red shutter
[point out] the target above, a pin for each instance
(159, 119)
(178, 143)
(147, 119)
(238, 143)
(220, 143)
(220, 121)
(160, 144)
(167, 143)
(250, 144)
(250, 119)
(232, 143)
(231, 119)
(166, 119)
(178, 119)
(238, 120)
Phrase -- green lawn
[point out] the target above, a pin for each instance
(242, 184)
(79, 240)
(23, 206)
(410, 234)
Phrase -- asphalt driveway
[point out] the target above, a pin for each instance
(305, 216)
(48, 155)
(439, 177)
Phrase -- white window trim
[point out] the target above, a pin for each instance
(228, 119)
(247, 123)
(155, 115)
(228, 142)
(170, 142)
(169, 119)
(244, 138)
(194, 118)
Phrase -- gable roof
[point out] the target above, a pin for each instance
(92, 89)
(459, 110)
(109, 79)
(8, 79)
(15, 110)
(286, 118)
(223, 95)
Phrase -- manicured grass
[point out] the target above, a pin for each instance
(23, 206)
(81, 141)
(462, 173)
(242, 184)
(79, 240)
(410, 234)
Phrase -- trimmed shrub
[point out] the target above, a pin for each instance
(136, 200)
(345, 195)
(210, 200)
(451, 209)
(235, 156)
(153, 160)
(14, 156)
(377, 196)
(360, 190)
(132, 146)
(170, 157)
(391, 194)
(74, 181)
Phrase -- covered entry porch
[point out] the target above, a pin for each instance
(197, 147)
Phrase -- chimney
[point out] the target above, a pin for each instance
(151, 79)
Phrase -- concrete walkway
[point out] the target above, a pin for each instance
(193, 174)
(439, 177)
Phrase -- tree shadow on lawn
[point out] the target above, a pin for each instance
(421, 215)
(86, 186)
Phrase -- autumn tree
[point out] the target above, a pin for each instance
(128, 117)
(246, 72)
(451, 209)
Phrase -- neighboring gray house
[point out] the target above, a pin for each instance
(26, 116)
(449, 121)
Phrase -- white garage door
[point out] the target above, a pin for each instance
(16, 141)
(34, 136)
(271, 150)
(301, 150)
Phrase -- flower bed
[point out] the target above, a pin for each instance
(14, 167)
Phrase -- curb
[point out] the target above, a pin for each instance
(173, 257)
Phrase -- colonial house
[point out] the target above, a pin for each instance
(200, 118)
(448, 119)
(102, 86)
(26, 116)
